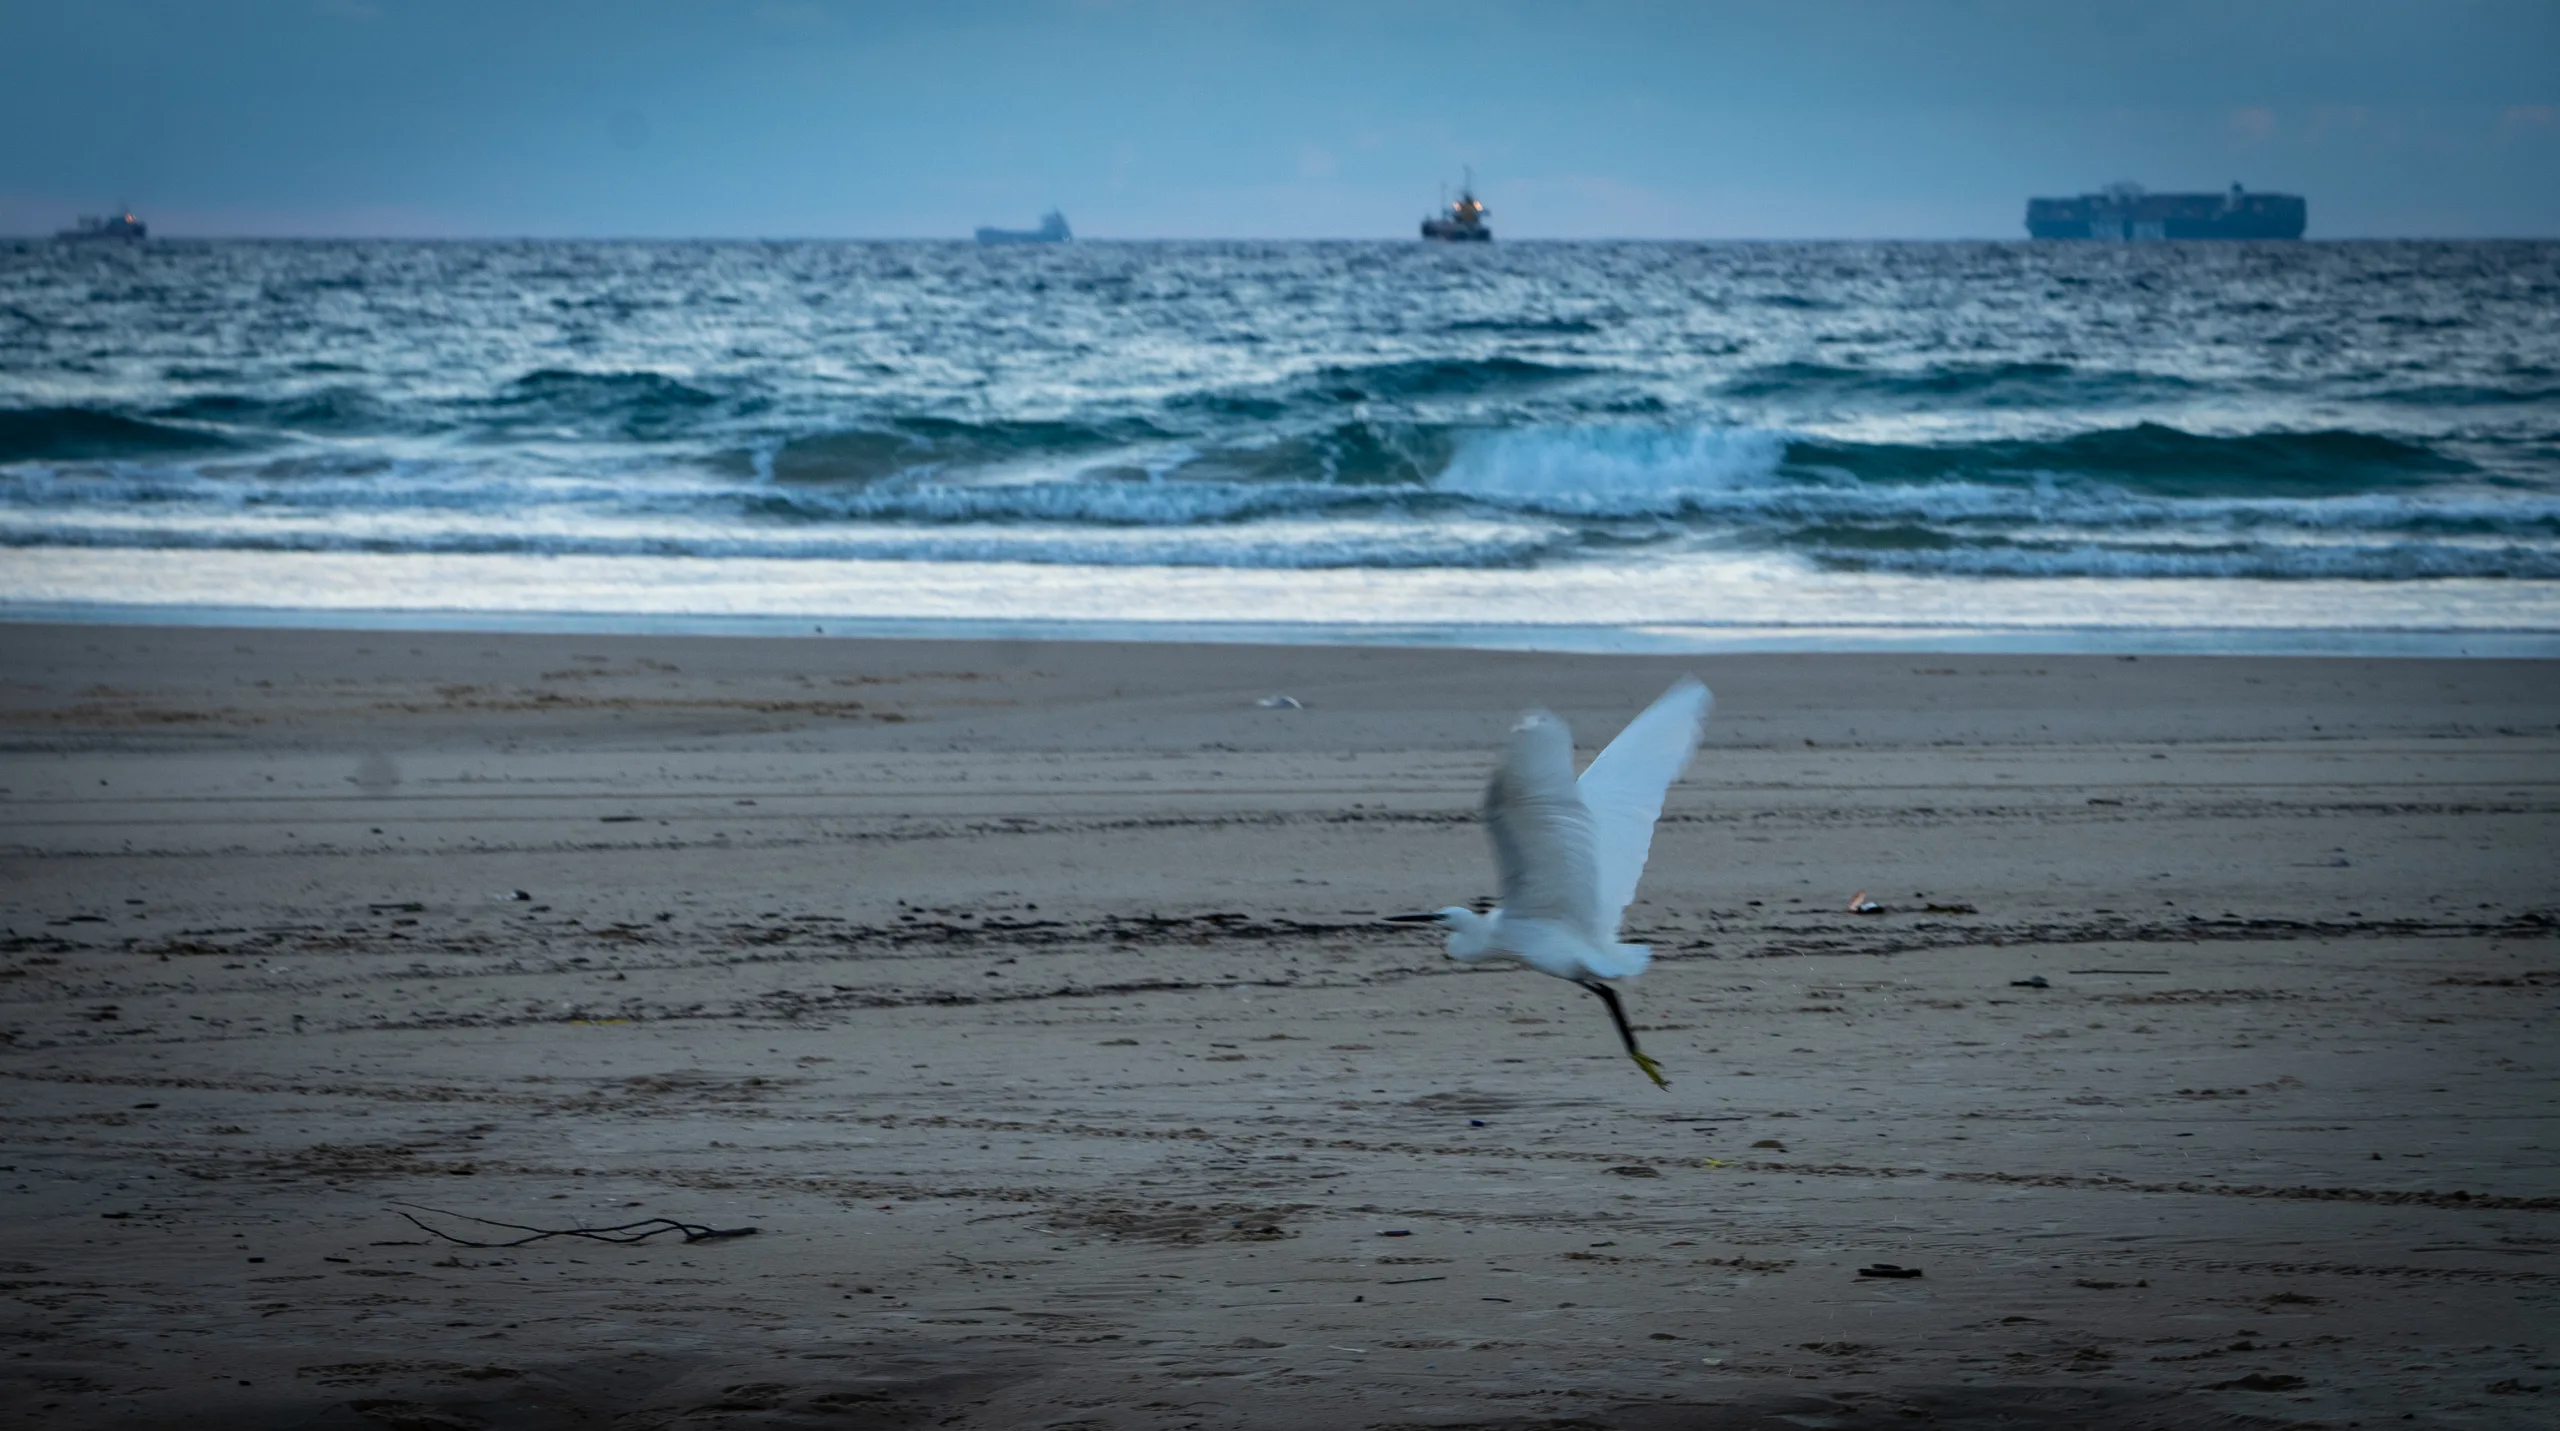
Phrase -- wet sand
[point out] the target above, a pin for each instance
(1030, 1000)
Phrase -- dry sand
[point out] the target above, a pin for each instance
(1028, 999)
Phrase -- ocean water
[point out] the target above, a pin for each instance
(1649, 439)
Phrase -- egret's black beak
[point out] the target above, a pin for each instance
(1413, 918)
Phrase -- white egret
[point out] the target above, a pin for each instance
(1569, 853)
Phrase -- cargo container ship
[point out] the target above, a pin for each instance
(1053, 229)
(2126, 213)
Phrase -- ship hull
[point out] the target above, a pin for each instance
(130, 231)
(2137, 231)
(1444, 232)
(1053, 229)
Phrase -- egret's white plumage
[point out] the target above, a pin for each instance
(1571, 851)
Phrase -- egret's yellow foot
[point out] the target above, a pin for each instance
(1651, 1069)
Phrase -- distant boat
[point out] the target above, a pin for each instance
(1053, 229)
(122, 226)
(2126, 213)
(1463, 222)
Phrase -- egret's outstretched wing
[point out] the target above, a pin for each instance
(1541, 832)
(1624, 786)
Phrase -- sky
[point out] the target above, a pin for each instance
(1234, 119)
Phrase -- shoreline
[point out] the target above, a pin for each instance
(1560, 638)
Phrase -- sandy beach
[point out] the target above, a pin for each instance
(1032, 1003)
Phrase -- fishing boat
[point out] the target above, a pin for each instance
(1463, 221)
(122, 226)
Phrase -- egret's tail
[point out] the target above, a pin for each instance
(1622, 961)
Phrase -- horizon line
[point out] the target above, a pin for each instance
(1202, 238)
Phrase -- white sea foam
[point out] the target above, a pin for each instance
(1614, 471)
(1715, 601)
(2393, 561)
(1108, 501)
(1727, 476)
(1277, 545)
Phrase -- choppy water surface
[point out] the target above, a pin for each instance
(1967, 414)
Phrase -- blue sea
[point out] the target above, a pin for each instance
(2282, 446)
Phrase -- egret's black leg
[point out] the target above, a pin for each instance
(1618, 1016)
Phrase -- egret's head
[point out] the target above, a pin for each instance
(1470, 933)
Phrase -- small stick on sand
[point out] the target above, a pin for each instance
(623, 1233)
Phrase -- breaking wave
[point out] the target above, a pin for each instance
(1614, 472)
(1366, 494)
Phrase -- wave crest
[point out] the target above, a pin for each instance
(2155, 458)
(80, 434)
(2014, 384)
(640, 405)
(930, 445)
